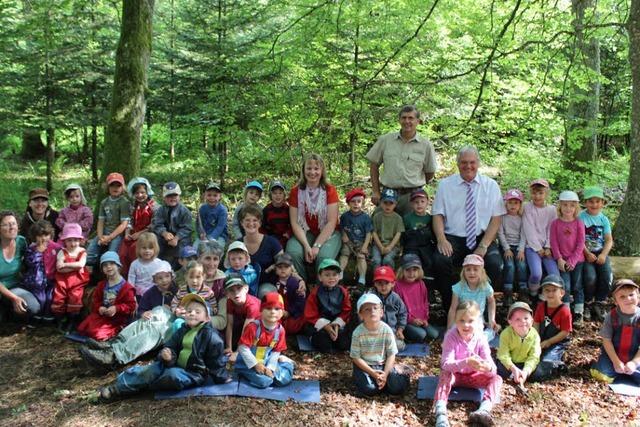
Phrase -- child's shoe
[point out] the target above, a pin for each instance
(598, 311)
(108, 393)
(586, 316)
(100, 359)
(578, 320)
(97, 345)
(482, 417)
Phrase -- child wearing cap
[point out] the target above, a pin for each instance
(114, 302)
(413, 292)
(620, 332)
(474, 286)
(77, 211)
(512, 242)
(356, 229)
(387, 229)
(373, 351)
(275, 216)
(251, 197)
(596, 270)
(113, 219)
(38, 209)
(141, 270)
(394, 311)
(519, 351)
(567, 246)
(71, 276)
(294, 295)
(418, 235)
(328, 310)
(536, 225)
(260, 347)
(141, 194)
(211, 222)
(172, 223)
(242, 309)
(188, 359)
(466, 362)
(238, 261)
(187, 253)
(552, 320)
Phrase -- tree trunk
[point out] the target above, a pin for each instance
(128, 103)
(32, 146)
(51, 156)
(627, 229)
(94, 152)
(582, 121)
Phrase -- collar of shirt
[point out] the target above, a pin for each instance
(414, 139)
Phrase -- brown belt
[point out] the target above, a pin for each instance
(402, 191)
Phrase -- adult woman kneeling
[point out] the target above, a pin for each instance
(313, 211)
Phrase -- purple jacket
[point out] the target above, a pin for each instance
(294, 303)
(154, 298)
(80, 215)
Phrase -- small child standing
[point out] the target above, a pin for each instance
(474, 285)
(77, 212)
(71, 276)
(260, 347)
(172, 223)
(356, 229)
(620, 332)
(596, 270)
(466, 362)
(288, 286)
(373, 351)
(567, 246)
(114, 302)
(188, 359)
(418, 233)
(144, 206)
(394, 311)
(40, 261)
(413, 292)
(113, 219)
(275, 216)
(512, 242)
(238, 261)
(328, 310)
(141, 270)
(519, 351)
(242, 309)
(252, 194)
(387, 229)
(211, 223)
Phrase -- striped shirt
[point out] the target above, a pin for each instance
(373, 346)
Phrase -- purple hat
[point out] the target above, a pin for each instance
(71, 230)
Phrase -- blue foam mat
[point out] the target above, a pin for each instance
(209, 389)
(625, 386)
(75, 337)
(304, 343)
(427, 390)
(299, 391)
(414, 350)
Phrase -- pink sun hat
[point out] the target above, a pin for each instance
(71, 230)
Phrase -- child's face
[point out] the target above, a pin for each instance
(272, 314)
(355, 204)
(39, 205)
(626, 298)
(43, 240)
(420, 205)
(251, 224)
(513, 206)
(253, 196)
(237, 294)
(72, 243)
(553, 295)
(594, 205)
(521, 321)
(538, 195)
(388, 206)
(110, 269)
(209, 262)
(383, 287)
(185, 261)
(147, 253)
(140, 194)
(329, 277)
(195, 279)
(195, 313)
(172, 200)
(238, 260)
(74, 198)
(411, 274)
(283, 271)
(370, 313)
(466, 323)
(568, 209)
(163, 281)
(115, 189)
(472, 274)
(212, 197)
(277, 196)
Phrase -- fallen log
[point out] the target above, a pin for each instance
(626, 267)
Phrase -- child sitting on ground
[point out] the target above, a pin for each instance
(188, 359)
(260, 347)
(144, 206)
(77, 212)
(211, 223)
(418, 235)
(466, 362)
(474, 285)
(512, 241)
(141, 270)
(387, 229)
(238, 261)
(519, 351)
(275, 216)
(172, 223)
(328, 310)
(356, 229)
(288, 286)
(114, 302)
(242, 309)
(187, 253)
(71, 276)
(252, 194)
(620, 332)
(373, 351)
(394, 311)
(159, 295)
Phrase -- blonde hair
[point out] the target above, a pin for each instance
(193, 265)
(575, 213)
(145, 240)
(520, 211)
(467, 307)
(484, 279)
(400, 273)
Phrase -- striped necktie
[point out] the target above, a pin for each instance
(470, 216)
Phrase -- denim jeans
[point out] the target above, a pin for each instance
(604, 366)
(156, 376)
(573, 285)
(282, 376)
(535, 263)
(396, 383)
(596, 280)
(503, 371)
(550, 362)
(377, 259)
(513, 269)
(95, 250)
(33, 306)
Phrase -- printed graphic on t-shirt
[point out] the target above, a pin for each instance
(594, 238)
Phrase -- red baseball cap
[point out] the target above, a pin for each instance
(115, 177)
(272, 300)
(385, 273)
(354, 193)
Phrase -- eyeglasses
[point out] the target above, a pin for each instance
(9, 225)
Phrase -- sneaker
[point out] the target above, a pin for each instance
(578, 320)
(98, 345)
(598, 311)
(481, 417)
(101, 359)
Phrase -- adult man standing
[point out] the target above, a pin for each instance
(466, 213)
(409, 160)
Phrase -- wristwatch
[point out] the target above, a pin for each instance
(317, 245)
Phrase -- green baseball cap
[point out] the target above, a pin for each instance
(329, 263)
(591, 192)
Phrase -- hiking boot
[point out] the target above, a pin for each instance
(108, 393)
(98, 345)
(100, 359)
(481, 417)
(587, 312)
(578, 320)
(598, 311)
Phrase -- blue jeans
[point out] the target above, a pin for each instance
(503, 371)
(377, 259)
(415, 333)
(156, 376)
(605, 366)
(396, 383)
(573, 285)
(33, 306)
(596, 280)
(550, 362)
(513, 269)
(282, 376)
(535, 263)
(94, 251)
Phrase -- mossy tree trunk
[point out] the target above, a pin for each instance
(627, 229)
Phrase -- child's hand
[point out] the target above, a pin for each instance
(547, 252)
(562, 265)
(103, 241)
(60, 265)
(417, 322)
(630, 367)
(111, 311)
(520, 256)
(619, 366)
(147, 315)
(590, 257)
(400, 334)
(268, 372)
(167, 236)
(474, 362)
(260, 368)
(602, 258)
(381, 379)
(102, 310)
(331, 331)
(542, 252)
(173, 242)
(227, 351)
(508, 254)
(180, 311)
(166, 355)
(544, 344)
(496, 327)
(302, 288)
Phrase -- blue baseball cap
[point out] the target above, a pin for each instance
(110, 256)
(389, 194)
(188, 251)
(254, 184)
(277, 184)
